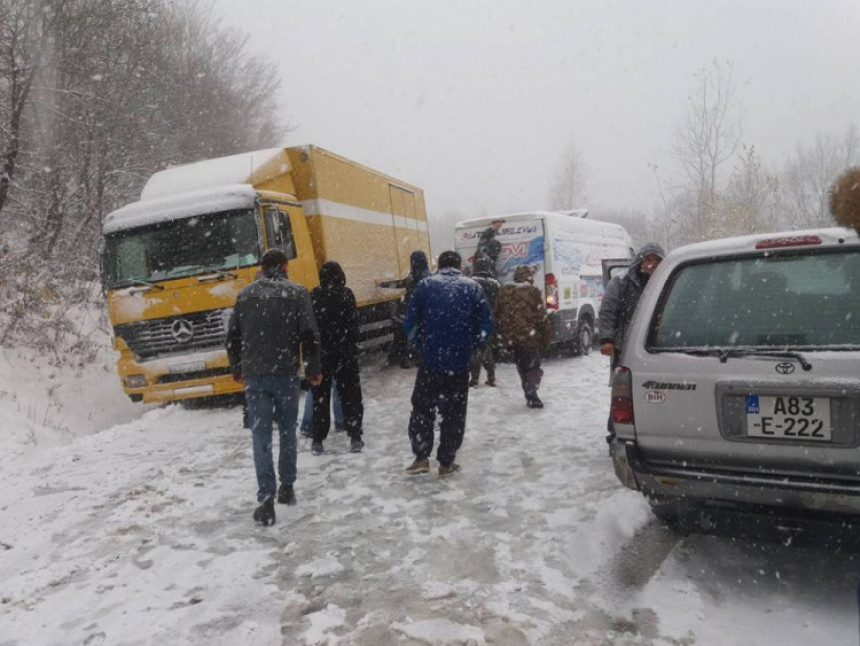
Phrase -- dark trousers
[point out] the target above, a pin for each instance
(483, 357)
(453, 389)
(348, 384)
(528, 367)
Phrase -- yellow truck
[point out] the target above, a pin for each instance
(174, 261)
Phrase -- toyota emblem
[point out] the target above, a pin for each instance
(784, 368)
(182, 330)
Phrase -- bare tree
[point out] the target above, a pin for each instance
(568, 188)
(708, 138)
(807, 176)
(749, 204)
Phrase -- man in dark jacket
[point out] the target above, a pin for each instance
(523, 328)
(621, 297)
(482, 273)
(488, 246)
(448, 318)
(337, 318)
(272, 325)
(419, 269)
(619, 303)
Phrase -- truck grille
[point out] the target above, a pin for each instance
(175, 334)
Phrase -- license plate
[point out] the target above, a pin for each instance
(789, 418)
(196, 366)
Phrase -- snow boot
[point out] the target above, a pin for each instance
(534, 402)
(317, 448)
(450, 470)
(355, 445)
(286, 495)
(265, 513)
(418, 467)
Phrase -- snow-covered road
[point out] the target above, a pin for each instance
(142, 534)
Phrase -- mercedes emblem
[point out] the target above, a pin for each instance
(182, 330)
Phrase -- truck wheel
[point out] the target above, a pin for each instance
(584, 338)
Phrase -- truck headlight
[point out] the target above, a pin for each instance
(135, 381)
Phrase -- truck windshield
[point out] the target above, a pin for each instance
(791, 301)
(178, 248)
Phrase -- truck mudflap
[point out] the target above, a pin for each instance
(836, 495)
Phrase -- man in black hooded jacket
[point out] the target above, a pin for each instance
(619, 304)
(337, 319)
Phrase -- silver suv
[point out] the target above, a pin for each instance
(739, 382)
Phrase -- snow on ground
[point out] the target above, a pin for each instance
(142, 534)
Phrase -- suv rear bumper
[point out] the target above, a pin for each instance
(696, 483)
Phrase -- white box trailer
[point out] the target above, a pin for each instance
(565, 251)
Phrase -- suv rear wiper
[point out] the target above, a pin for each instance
(137, 281)
(784, 354)
(724, 353)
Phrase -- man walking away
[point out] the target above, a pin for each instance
(272, 325)
(619, 303)
(523, 329)
(448, 318)
(482, 273)
(337, 318)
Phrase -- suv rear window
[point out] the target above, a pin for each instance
(787, 300)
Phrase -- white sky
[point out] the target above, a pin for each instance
(475, 100)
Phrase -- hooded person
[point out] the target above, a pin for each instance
(337, 320)
(419, 269)
(619, 304)
(621, 297)
(522, 328)
(482, 273)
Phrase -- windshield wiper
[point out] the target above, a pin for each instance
(222, 273)
(139, 282)
(724, 353)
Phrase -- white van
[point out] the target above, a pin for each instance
(565, 251)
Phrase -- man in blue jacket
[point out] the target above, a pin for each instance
(448, 318)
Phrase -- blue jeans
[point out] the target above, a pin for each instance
(307, 425)
(269, 396)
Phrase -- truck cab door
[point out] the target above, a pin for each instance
(279, 233)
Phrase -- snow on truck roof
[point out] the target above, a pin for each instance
(246, 168)
(208, 186)
(184, 205)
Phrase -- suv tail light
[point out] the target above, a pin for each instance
(788, 241)
(551, 292)
(621, 410)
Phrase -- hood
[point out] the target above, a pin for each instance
(523, 274)
(646, 250)
(332, 277)
(482, 266)
(419, 268)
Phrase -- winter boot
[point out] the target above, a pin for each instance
(355, 445)
(286, 495)
(491, 379)
(317, 448)
(265, 513)
(473, 382)
(450, 470)
(418, 467)
(534, 402)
